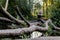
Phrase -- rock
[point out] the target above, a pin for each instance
(36, 34)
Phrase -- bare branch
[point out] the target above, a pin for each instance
(54, 25)
(6, 14)
(6, 5)
(20, 15)
(5, 19)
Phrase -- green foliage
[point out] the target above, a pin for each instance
(56, 13)
(53, 11)
(37, 6)
(25, 8)
(11, 5)
(25, 36)
(2, 2)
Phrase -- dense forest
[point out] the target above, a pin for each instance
(21, 18)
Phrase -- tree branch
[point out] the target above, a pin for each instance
(20, 15)
(6, 5)
(5, 19)
(7, 15)
(54, 25)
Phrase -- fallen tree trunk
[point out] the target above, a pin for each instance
(13, 32)
(19, 31)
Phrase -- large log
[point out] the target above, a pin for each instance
(13, 32)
